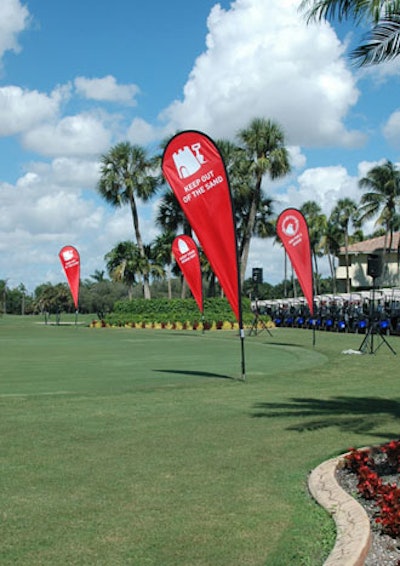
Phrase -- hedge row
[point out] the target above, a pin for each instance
(183, 311)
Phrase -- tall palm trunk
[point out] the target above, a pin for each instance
(285, 275)
(139, 242)
(169, 286)
(387, 246)
(244, 256)
(332, 271)
(346, 254)
(316, 273)
(184, 288)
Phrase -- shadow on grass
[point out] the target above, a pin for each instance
(287, 344)
(195, 373)
(360, 415)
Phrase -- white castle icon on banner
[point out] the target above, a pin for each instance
(182, 246)
(68, 254)
(290, 230)
(290, 226)
(188, 160)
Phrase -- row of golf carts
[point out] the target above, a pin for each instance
(344, 312)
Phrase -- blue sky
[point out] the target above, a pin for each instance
(78, 77)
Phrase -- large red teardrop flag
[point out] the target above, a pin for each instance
(70, 262)
(292, 229)
(196, 173)
(195, 170)
(187, 257)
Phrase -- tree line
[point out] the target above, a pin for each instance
(98, 295)
(129, 174)
(259, 154)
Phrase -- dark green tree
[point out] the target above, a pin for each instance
(381, 199)
(344, 215)
(128, 174)
(264, 153)
(124, 262)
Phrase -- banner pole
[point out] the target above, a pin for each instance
(194, 168)
(242, 354)
(240, 309)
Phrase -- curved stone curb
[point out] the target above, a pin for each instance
(353, 534)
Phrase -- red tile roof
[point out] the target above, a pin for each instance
(369, 246)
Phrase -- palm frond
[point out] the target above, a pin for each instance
(341, 10)
(382, 43)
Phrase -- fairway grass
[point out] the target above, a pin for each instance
(144, 447)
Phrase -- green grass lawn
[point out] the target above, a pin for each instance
(144, 447)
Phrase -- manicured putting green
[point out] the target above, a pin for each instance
(144, 447)
(60, 359)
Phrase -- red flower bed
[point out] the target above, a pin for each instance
(366, 464)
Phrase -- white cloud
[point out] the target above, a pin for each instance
(273, 269)
(79, 135)
(262, 60)
(325, 185)
(48, 209)
(365, 166)
(37, 218)
(21, 110)
(14, 18)
(142, 133)
(40, 206)
(106, 89)
(380, 74)
(297, 158)
(69, 172)
(391, 130)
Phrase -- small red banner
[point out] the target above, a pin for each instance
(194, 168)
(292, 229)
(187, 257)
(70, 262)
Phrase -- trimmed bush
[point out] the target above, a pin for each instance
(166, 313)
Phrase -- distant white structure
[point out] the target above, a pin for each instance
(361, 255)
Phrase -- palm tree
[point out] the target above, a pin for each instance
(345, 213)
(265, 153)
(170, 218)
(127, 173)
(98, 276)
(382, 199)
(381, 43)
(317, 223)
(330, 245)
(152, 264)
(123, 264)
(162, 254)
(265, 220)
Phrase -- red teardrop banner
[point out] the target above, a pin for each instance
(70, 262)
(187, 257)
(194, 168)
(292, 229)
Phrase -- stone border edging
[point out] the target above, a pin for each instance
(353, 532)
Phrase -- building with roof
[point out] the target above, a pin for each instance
(368, 262)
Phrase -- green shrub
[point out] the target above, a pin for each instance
(174, 310)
